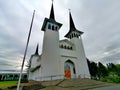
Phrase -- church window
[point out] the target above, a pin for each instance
(74, 35)
(56, 28)
(52, 27)
(74, 70)
(61, 46)
(71, 48)
(49, 26)
(68, 47)
(67, 66)
(69, 37)
(65, 46)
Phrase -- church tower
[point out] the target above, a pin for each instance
(75, 37)
(50, 52)
(33, 64)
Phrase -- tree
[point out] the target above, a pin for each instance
(118, 69)
(102, 70)
(93, 69)
(28, 65)
(112, 69)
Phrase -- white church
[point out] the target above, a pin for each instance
(60, 59)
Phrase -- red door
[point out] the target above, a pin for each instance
(67, 73)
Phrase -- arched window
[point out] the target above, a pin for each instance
(61, 46)
(74, 70)
(56, 28)
(74, 35)
(65, 46)
(49, 26)
(70, 36)
(68, 47)
(67, 66)
(71, 48)
(52, 27)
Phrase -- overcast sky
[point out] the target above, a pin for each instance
(98, 19)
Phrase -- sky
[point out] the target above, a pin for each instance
(98, 19)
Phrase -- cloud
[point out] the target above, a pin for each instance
(99, 19)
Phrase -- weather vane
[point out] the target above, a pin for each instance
(52, 1)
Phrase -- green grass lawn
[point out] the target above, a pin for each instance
(4, 84)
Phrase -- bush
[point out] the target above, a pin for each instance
(111, 79)
(103, 79)
(114, 79)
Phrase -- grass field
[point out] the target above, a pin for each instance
(4, 84)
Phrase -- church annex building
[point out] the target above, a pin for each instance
(60, 58)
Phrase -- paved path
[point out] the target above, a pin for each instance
(114, 87)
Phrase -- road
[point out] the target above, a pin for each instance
(114, 87)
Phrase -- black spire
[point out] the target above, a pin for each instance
(51, 19)
(52, 13)
(72, 26)
(36, 52)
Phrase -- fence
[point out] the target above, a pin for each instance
(11, 76)
(55, 77)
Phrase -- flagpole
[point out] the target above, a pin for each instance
(18, 86)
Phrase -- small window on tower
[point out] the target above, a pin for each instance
(77, 36)
(70, 36)
(56, 28)
(52, 27)
(70, 48)
(61, 46)
(49, 26)
(74, 35)
(65, 47)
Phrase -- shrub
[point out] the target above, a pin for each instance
(111, 79)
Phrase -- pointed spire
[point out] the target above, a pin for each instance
(52, 16)
(71, 21)
(36, 52)
(72, 28)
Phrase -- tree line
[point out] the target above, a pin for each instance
(98, 70)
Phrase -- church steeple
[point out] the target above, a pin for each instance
(36, 52)
(71, 23)
(52, 16)
(51, 24)
(73, 32)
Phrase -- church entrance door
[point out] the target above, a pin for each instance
(69, 69)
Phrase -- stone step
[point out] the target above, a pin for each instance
(71, 84)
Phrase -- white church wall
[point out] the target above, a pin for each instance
(51, 55)
(70, 53)
(34, 62)
(82, 62)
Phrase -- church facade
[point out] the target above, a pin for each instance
(60, 58)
